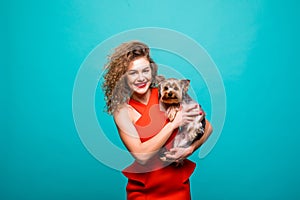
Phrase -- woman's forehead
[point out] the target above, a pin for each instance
(139, 63)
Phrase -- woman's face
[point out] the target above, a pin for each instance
(139, 75)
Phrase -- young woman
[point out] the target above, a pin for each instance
(132, 98)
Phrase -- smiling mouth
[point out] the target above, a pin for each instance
(141, 85)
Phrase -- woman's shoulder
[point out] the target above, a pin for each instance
(127, 110)
(122, 109)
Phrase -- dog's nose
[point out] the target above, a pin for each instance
(170, 94)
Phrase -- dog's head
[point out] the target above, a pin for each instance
(171, 91)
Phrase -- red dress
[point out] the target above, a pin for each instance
(155, 180)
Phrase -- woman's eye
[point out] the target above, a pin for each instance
(131, 73)
(146, 70)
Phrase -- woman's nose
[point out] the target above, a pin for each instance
(141, 77)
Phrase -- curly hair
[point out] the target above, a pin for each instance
(115, 87)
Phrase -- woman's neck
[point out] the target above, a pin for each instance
(142, 98)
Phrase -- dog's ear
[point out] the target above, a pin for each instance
(159, 78)
(185, 83)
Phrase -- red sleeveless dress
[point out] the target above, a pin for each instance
(155, 180)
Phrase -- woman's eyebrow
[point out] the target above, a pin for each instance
(132, 70)
(144, 67)
(147, 66)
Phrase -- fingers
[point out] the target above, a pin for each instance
(171, 157)
(192, 110)
(184, 117)
(190, 107)
(201, 111)
(175, 155)
(186, 114)
(192, 113)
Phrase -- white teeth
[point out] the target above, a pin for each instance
(140, 84)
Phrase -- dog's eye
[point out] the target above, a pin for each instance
(166, 88)
(176, 88)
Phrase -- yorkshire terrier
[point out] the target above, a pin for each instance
(173, 95)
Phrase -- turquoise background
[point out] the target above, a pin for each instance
(255, 45)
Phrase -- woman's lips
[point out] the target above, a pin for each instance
(141, 85)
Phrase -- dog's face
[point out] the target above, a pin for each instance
(172, 90)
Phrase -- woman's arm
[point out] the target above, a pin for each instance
(143, 151)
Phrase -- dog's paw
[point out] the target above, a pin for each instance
(200, 130)
(171, 116)
(171, 113)
(163, 158)
(191, 137)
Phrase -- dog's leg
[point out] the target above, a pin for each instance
(171, 112)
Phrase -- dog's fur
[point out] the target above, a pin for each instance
(172, 95)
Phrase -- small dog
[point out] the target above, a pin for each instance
(172, 95)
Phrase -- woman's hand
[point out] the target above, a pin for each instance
(186, 114)
(178, 154)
